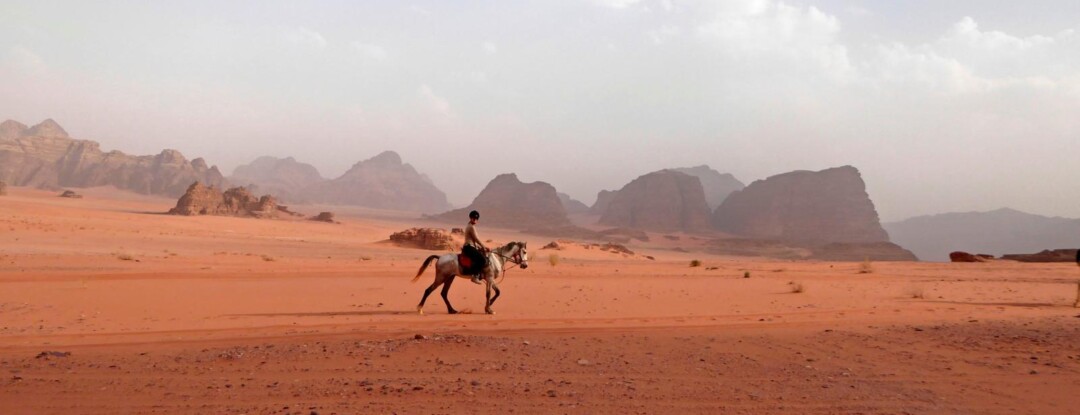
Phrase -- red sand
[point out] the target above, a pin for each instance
(165, 314)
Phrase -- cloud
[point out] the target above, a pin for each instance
(616, 4)
(435, 102)
(302, 36)
(490, 47)
(371, 51)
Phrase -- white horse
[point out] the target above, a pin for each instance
(448, 267)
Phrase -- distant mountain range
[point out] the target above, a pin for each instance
(998, 232)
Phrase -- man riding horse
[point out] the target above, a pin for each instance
(474, 249)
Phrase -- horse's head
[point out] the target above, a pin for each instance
(523, 255)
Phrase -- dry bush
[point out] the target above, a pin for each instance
(553, 259)
(125, 257)
(695, 263)
(796, 287)
(866, 267)
(915, 292)
(746, 274)
(268, 258)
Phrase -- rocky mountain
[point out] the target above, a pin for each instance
(804, 207)
(45, 156)
(507, 202)
(238, 201)
(717, 186)
(603, 199)
(998, 232)
(382, 182)
(662, 201)
(285, 178)
(572, 205)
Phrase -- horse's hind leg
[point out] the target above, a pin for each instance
(427, 292)
(488, 299)
(445, 291)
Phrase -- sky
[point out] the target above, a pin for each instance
(943, 106)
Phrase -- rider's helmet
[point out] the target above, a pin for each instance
(474, 215)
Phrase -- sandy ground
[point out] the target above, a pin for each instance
(149, 313)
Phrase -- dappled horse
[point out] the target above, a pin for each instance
(449, 266)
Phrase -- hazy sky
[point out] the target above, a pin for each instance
(943, 105)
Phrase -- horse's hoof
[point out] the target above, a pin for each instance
(420, 310)
(490, 311)
(452, 312)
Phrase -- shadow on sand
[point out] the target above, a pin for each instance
(328, 314)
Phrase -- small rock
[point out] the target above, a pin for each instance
(583, 362)
(420, 337)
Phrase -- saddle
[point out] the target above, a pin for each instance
(467, 266)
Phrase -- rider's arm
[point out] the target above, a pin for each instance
(472, 235)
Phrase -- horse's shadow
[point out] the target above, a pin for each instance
(327, 314)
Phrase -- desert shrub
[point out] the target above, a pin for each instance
(915, 292)
(746, 274)
(866, 267)
(268, 258)
(553, 259)
(125, 257)
(796, 287)
(695, 263)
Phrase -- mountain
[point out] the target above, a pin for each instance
(572, 205)
(998, 232)
(285, 178)
(381, 182)
(507, 202)
(45, 156)
(717, 185)
(804, 207)
(662, 201)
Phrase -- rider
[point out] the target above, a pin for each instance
(473, 248)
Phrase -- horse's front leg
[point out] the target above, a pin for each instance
(495, 287)
(488, 300)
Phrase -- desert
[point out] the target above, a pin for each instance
(109, 306)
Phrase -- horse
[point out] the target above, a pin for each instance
(448, 267)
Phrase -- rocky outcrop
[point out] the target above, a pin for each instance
(327, 217)
(1046, 255)
(70, 194)
(804, 207)
(285, 178)
(572, 205)
(238, 201)
(859, 251)
(44, 156)
(661, 201)
(507, 202)
(717, 185)
(603, 199)
(382, 182)
(961, 256)
(996, 232)
(425, 238)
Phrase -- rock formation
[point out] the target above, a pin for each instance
(858, 251)
(717, 186)
(804, 207)
(327, 217)
(961, 256)
(285, 178)
(238, 201)
(603, 199)
(70, 194)
(382, 182)
(662, 201)
(995, 232)
(572, 205)
(1046, 255)
(507, 202)
(44, 156)
(425, 238)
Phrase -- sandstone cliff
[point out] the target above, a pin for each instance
(382, 182)
(662, 201)
(285, 178)
(717, 185)
(238, 201)
(44, 156)
(572, 205)
(507, 202)
(805, 207)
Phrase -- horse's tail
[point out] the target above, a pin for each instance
(424, 267)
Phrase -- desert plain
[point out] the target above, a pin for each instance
(108, 306)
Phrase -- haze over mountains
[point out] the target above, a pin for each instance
(997, 232)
